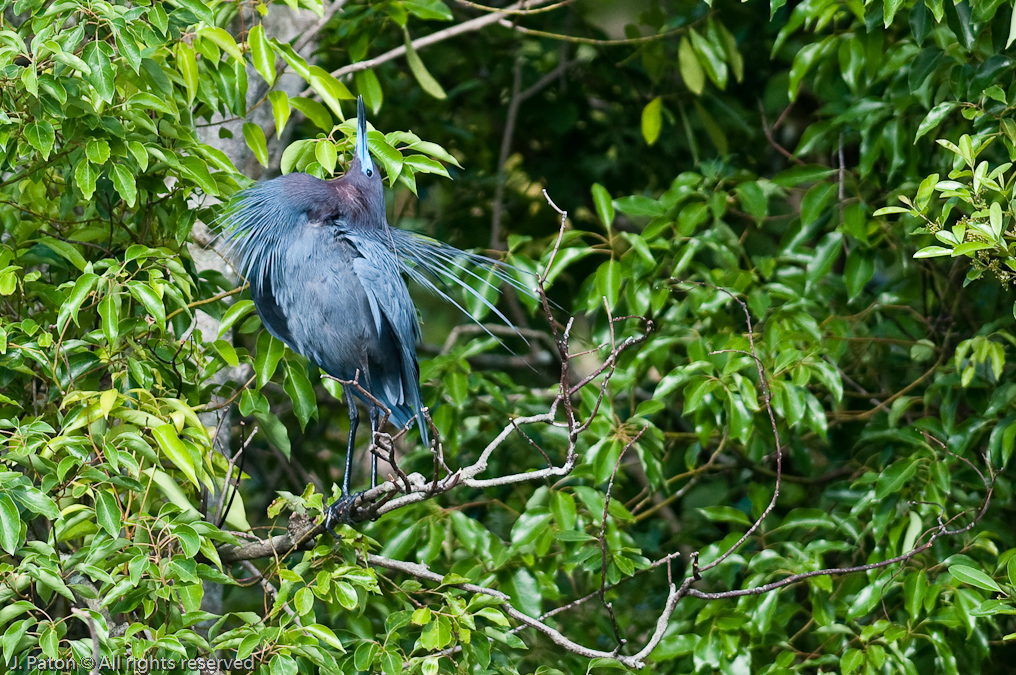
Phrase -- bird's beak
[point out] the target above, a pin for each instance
(362, 151)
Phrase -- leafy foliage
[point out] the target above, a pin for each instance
(708, 155)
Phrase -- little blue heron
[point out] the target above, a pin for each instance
(326, 275)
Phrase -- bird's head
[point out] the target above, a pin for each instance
(362, 162)
(361, 188)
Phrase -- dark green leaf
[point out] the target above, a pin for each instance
(107, 512)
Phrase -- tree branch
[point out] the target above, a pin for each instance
(464, 27)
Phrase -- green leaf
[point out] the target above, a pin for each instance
(66, 250)
(255, 138)
(725, 514)
(222, 40)
(109, 311)
(637, 205)
(434, 150)
(889, 210)
(934, 118)
(304, 601)
(933, 252)
(389, 158)
(236, 312)
(803, 61)
(262, 53)
(144, 101)
(72, 303)
(124, 182)
(815, 202)
(107, 512)
(796, 175)
(1012, 31)
(73, 61)
(421, 616)
(97, 150)
(691, 70)
(315, 112)
(428, 9)
(41, 136)
(329, 89)
(860, 268)
(326, 635)
(196, 169)
(969, 247)
(604, 205)
(128, 49)
(274, 430)
(851, 660)
(711, 56)
(369, 87)
(36, 501)
(85, 176)
(895, 477)
(301, 391)
(914, 588)
(227, 352)
(200, 9)
(269, 353)
(10, 525)
(889, 10)
(652, 120)
(324, 152)
(996, 92)
(187, 64)
(391, 663)
(424, 164)
(289, 55)
(995, 219)
(346, 595)
(974, 577)
(608, 282)
(753, 199)
(174, 449)
(139, 153)
(96, 56)
(420, 72)
(280, 110)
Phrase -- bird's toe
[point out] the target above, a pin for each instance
(340, 512)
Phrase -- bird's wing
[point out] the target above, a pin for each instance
(391, 306)
(272, 316)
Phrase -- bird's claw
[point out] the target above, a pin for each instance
(340, 513)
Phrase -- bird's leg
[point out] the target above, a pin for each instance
(354, 420)
(338, 511)
(373, 455)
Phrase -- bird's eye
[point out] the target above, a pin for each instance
(370, 173)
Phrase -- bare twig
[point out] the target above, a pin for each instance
(603, 541)
(586, 40)
(525, 11)
(419, 43)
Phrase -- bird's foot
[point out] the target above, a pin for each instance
(340, 513)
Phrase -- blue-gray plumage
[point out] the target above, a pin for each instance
(326, 276)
